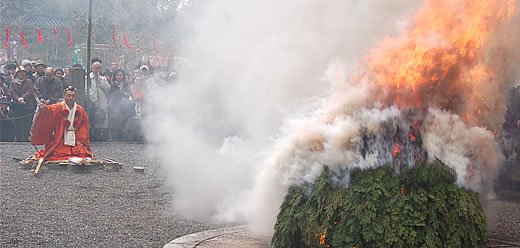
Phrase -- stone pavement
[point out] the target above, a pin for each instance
(225, 237)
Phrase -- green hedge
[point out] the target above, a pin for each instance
(420, 207)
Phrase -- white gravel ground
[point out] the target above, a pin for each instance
(98, 209)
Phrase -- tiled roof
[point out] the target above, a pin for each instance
(35, 20)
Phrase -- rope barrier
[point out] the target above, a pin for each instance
(19, 117)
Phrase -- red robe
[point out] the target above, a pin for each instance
(48, 130)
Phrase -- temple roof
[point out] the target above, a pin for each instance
(34, 20)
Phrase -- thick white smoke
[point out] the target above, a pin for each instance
(260, 105)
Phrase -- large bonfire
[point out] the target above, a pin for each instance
(430, 98)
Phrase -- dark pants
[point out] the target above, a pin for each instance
(23, 121)
(6, 130)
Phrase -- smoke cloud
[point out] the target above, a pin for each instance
(266, 99)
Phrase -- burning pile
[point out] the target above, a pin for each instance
(435, 92)
(420, 206)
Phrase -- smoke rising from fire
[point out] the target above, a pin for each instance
(253, 112)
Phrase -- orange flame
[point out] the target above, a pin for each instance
(396, 149)
(441, 60)
(412, 137)
(322, 237)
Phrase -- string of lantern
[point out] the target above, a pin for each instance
(159, 55)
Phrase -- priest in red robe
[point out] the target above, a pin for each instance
(63, 128)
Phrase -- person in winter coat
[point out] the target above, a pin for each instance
(98, 95)
(24, 104)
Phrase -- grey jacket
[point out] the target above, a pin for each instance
(48, 90)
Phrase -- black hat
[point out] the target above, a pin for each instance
(58, 69)
(10, 66)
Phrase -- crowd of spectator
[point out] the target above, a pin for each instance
(115, 98)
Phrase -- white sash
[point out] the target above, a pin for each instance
(70, 134)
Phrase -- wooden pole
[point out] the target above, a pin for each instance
(38, 166)
(89, 44)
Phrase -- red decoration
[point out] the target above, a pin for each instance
(114, 38)
(68, 37)
(76, 123)
(23, 39)
(66, 123)
(126, 41)
(6, 36)
(160, 57)
(65, 112)
(170, 53)
(155, 48)
(40, 36)
(77, 114)
(56, 33)
(402, 191)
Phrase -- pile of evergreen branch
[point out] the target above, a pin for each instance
(420, 207)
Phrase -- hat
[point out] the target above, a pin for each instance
(144, 67)
(39, 62)
(4, 100)
(20, 68)
(26, 62)
(58, 69)
(10, 66)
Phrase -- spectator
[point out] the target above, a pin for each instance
(24, 104)
(98, 96)
(77, 66)
(58, 72)
(10, 71)
(4, 88)
(108, 75)
(114, 66)
(66, 76)
(138, 90)
(120, 106)
(146, 71)
(48, 88)
(6, 125)
(28, 70)
(33, 63)
(94, 60)
(40, 69)
(172, 77)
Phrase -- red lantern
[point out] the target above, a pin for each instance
(126, 41)
(56, 33)
(68, 37)
(114, 38)
(23, 39)
(76, 123)
(65, 112)
(6, 36)
(66, 123)
(40, 36)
